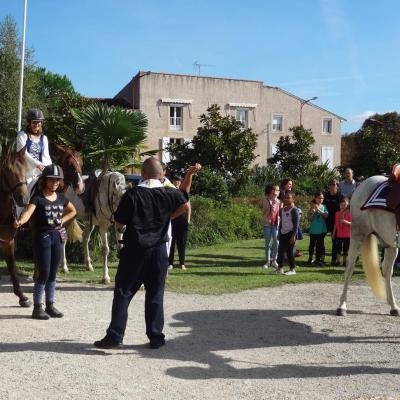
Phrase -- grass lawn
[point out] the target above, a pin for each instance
(225, 268)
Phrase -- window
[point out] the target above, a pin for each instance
(175, 118)
(327, 155)
(165, 142)
(327, 125)
(242, 115)
(277, 123)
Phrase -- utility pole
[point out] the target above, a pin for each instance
(302, 102)
(21, 81)
(197, 67)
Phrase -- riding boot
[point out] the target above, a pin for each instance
(39, 313)
(52, 311)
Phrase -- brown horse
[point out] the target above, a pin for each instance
(70, 161)
(13, 191)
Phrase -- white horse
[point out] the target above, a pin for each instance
(111, 187)
(366, 226)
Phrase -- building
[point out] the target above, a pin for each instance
(173, 104)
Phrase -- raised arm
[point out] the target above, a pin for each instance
(187, 181)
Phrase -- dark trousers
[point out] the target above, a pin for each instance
(137, 266)
(285, 247)
(317, 242)
(343, 245)
(334, 242)
(180, 231)
(47, 250)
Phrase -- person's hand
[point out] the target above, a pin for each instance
(194, 168)
(17, 224)
(40, 166)
(293, 239)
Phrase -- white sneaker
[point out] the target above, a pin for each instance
(279, 271)
(170, 266)
(274, 264)
(266, 266)
(183, 267)
(291, 272)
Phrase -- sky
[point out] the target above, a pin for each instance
(345, 52)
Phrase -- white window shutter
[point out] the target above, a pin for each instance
(165, 157)
(327, 155)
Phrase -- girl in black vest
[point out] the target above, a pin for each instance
(50, 211)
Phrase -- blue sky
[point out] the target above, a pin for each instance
(346, 52)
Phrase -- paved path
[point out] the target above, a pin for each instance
(279, 343)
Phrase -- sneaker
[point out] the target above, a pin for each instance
(274, 264)
(107, 343)
(279, 271)
(183, 267)
(291, 272)
(170, 266)
(266, 266)
(310, 261)
(156, 342)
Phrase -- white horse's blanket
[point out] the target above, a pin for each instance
(378, 197)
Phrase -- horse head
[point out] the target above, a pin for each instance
(13, 177)
(71, 163)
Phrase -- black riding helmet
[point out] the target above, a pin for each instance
(34, 114)
(53, 171)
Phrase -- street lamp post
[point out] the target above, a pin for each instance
(21, 81)
(302, 102)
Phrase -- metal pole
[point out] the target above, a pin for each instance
(21, 82)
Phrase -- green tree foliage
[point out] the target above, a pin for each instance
(376, 145)
(113, 137)
(10, 59)
(221, 143)
(294, 154)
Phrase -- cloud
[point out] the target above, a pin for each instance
(360, 118)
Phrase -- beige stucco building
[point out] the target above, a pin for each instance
(173, 104)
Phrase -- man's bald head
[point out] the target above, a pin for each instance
(151, 168)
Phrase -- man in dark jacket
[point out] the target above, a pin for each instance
(144, 212)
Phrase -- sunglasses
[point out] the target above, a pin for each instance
(36, 122)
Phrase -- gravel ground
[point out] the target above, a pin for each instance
(272, 343)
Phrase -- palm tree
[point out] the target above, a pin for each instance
(112, 137)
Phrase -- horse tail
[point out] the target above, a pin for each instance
(370, 262)
(75, 232)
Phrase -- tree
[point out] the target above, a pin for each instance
(294, 154)
(113, 137)
(10, 59)
(376, 145)
(221, 143)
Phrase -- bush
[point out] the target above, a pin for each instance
(215, 222)
(210, 184)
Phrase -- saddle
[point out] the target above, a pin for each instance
(92, 183)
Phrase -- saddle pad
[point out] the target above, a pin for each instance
(378, 197)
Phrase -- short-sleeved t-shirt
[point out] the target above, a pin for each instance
(146, 212)
(47, 214)
(318, 224)
(342, 230)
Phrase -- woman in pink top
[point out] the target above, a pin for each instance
(271, 207)
(341, 230)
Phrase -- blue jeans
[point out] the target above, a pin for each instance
(271, 232)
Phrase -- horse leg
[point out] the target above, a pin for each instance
(354, 251)
(387, 271)
(86, 237)
(12, 269)
(104, 239)
(64, 265)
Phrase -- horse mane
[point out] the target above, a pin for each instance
(11, 158)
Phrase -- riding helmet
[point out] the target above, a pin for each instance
(53, 171)
(34, 114)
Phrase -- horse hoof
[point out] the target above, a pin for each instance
(106, 281)
(395, 312)
(25, 303)
(341, 312)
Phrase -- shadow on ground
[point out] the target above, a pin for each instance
(205, 333)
